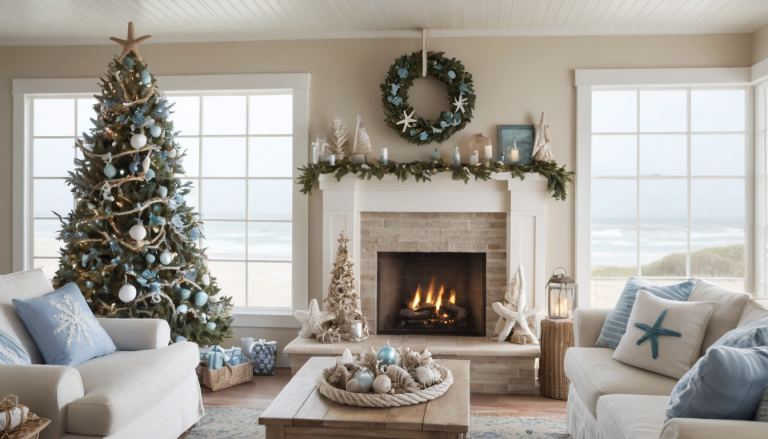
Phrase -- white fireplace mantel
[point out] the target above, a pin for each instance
(524, 202)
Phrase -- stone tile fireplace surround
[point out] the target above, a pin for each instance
(501, 217)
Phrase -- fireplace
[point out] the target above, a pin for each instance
(431, 293)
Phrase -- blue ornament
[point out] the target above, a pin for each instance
(387, 355)
(402, 72)
(397, 100)
(180, 339)
(365, 377)
(127, 63)
(435, 155)
(145, 78)
(185, 293)
(133, 167)
(193, 234)
(89, 284)
(412, 132)
(395, 88)
(155, 131)
(464, 88)
(150, 258)
(178, 198)
(423, 136)
(182, 309)
(451, 74)
(149, 175)
(162, 191)
(211, 326)
(201, 298)
(110, 171)
(389, 98)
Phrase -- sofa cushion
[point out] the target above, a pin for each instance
(751, 335)
(21, 285)
(664, 336)
(120, 387)
(729, 309)
(753, 311)
(594, 373)
(631, 416)
(64, 327)
(616, 323)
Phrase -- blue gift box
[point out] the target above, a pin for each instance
(215, 360)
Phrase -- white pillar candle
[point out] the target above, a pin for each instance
(488, 152)
(315, 153)
(474, 158)
(514, 155)
(332, 159)
(384, 155)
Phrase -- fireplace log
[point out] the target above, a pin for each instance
(458, 313)
(409, 314)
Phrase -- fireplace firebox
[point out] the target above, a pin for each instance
(431, 293)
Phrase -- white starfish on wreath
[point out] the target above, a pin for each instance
(407, 120)
(74, 320)
(460, 102)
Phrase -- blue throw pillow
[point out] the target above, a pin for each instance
(751, 335)
(63, 327)
(726, 383)
(616, 323)
(12, 352)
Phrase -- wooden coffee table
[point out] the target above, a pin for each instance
(301, 412)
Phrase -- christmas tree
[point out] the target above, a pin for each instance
(130, 243)
(343, 298)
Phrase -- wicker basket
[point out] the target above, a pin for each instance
(556, 338)
(386, 400)
(227, 376)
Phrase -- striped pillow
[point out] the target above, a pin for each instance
(12, 352)
(616, 323)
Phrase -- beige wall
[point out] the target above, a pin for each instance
(516, 78)
(760, 44)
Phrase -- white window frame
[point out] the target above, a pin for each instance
(24, 90)
(761, 188)
(586, 82)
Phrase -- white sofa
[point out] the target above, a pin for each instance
(147, 389)
(611, 400)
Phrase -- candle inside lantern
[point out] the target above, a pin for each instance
(384, 155)
(488, 151)
(514, 154)
(474, 158)
(357, 329)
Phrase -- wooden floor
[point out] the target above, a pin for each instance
(262, 390)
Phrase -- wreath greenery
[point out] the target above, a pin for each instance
(557, 177)
(395, 98)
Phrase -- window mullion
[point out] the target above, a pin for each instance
(689, 197)
(638, 265)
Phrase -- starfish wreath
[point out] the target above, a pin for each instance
(654, 332)
(407, 120)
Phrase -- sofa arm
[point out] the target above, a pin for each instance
(689, 428)
(46, 390)
(587, 324)
(137, 334)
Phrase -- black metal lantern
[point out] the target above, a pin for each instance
(562, 295)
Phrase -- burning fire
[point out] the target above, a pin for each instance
(453, 296)
(416, 299)
(432, 299)
(431, 290)
(439, 302)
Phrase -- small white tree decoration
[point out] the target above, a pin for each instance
(542, 144)
(362, 141)
(515, 314)
(338, 138)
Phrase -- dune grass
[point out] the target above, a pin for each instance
(709, 262)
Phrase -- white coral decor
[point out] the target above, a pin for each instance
(74, 320)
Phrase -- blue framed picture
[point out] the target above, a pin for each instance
(511, 135)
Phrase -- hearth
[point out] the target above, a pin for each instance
(431, 293)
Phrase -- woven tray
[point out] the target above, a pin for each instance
(386, 400)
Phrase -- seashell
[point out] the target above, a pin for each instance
(339, 378)
(382, 384)
(410, 359)
(427, 376)
(425, 359)
(353, 386)
(346, 358)
(367, 359)
(401, 380)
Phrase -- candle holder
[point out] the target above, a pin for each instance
(562, 295)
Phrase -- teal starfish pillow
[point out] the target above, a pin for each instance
(664, 336)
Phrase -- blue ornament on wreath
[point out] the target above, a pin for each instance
(423, 136)
(127, 63)
(150, 258)
(451, 74)
(201, 298)
(387, 355)
(402, 72)
(110, 171)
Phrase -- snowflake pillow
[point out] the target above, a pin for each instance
(64, 328)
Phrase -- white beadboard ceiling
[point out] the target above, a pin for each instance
(29, 22)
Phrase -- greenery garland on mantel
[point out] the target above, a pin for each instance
(557, 177)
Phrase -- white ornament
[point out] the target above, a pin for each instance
(127, 293)
(353, 386)
(407, 120)
(161, 191)
(166, 257)
(206, 279)
(382, 384)
(172, 153)
(74, 320)
(460, 102)
(138, 232)
(106, 192)
(138, 141)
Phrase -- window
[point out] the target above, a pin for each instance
(761, 190)
(244, 140)
(239, 157)
(668, 188)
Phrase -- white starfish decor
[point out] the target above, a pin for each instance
(73, 320)
(407, 120)
(515, 314)
(460, 102)
(312, 321)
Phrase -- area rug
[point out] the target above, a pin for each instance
(240, 423)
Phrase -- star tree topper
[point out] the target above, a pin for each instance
(407, 120)
(130, 44)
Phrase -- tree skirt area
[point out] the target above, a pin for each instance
(243, 423)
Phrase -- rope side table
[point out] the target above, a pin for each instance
(556, 338)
